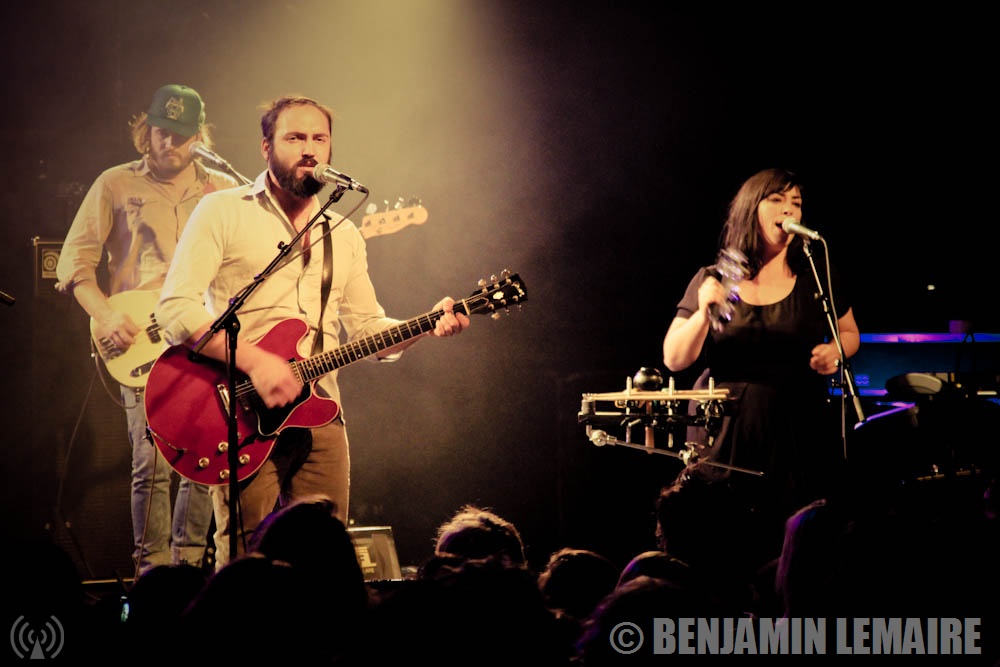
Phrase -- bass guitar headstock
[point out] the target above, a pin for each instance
(392, 219)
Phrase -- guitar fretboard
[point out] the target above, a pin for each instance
(326, 362)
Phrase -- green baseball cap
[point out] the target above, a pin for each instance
(178, 109)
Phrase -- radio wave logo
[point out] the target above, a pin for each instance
(37, 643)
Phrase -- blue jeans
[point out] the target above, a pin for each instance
(162, 537)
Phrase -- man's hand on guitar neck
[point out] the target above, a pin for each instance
(451, 322)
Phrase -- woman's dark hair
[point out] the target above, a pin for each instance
(741, 230)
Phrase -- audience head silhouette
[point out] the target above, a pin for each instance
(655, 564)
(637, 603)
(255, 609)
(485, 612)
(475, 532)
(308, 535)
(706, 525)
(573, 581)
(157, 600)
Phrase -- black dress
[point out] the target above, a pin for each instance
(780, 418)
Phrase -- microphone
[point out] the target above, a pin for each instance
(324, 173)
(198, 149)
(791, 226)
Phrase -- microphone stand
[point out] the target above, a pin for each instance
(846, 376)
(239, 177)
(218, 161)
(231, 324)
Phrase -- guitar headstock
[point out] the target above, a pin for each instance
(392, 219)
(496, 293)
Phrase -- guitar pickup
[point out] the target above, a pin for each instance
(153, 330)
(139, 371)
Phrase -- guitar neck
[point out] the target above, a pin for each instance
(507, 291)
(317, 366)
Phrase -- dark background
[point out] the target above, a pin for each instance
(592, 148)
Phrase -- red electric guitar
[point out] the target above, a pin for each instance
(187, 401)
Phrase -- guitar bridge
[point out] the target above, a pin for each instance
(110, 351)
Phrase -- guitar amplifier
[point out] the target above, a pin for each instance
(376, 552)
(46, 258)
(47, 253)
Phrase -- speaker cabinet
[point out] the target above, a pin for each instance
(46, 258)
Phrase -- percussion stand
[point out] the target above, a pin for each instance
(846, 376)
(676, 420)
(600, 438)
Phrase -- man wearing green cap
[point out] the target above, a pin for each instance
(134, 213)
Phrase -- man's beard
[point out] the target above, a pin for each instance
(162, 168)
(302, 188)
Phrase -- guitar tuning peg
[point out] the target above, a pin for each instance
(386, 203)
(399, 203)
(495, 315)
(493, 278)
(482, 282)
(505, 274)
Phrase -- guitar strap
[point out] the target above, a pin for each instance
(325, 288)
